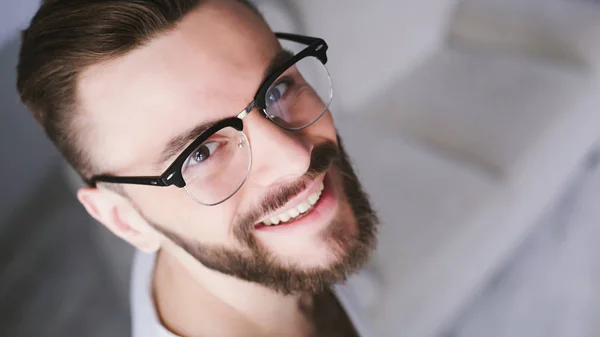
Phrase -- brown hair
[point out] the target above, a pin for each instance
(67, 36)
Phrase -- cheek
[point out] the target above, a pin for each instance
(172, 209)
(324, 128)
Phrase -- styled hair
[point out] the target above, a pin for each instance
(67, 36)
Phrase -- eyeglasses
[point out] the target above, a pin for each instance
(294, 95)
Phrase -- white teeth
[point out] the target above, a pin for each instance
(303, 207)
(293, 212)
(313, 198)
(296, 211)
(284, 217)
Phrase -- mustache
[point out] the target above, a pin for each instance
(323, 156)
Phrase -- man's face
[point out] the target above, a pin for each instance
(208, 68)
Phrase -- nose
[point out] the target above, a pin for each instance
(279, 156)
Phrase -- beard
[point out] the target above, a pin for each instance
(351, 236)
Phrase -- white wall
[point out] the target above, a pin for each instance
(373, 42)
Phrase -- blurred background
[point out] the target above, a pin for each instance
(473, 124)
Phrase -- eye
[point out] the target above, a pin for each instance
(276, 92)
(202, 153)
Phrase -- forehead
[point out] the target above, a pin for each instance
(207, 67)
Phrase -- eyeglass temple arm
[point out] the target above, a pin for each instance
(308, 40)
(152, 181)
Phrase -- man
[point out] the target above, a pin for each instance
(211, 148)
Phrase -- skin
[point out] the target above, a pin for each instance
(206, 68)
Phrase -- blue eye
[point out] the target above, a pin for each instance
(202, 153)
(276, 92)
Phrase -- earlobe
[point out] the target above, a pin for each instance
(120, 217)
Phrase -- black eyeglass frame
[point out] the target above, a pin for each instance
(316, 47)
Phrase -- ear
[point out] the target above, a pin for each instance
(118, 214)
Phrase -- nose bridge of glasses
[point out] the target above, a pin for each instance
(246, 110)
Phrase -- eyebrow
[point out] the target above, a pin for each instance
(177, 144)
(280, 58)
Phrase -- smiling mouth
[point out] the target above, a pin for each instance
(297, 212)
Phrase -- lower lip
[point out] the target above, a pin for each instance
(320, 214)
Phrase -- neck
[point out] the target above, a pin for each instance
(187, 295)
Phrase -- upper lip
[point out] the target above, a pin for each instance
(300, 197)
